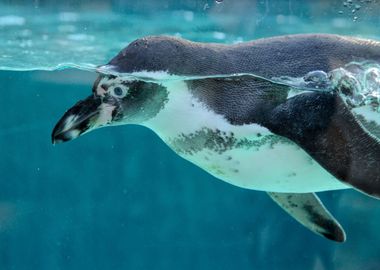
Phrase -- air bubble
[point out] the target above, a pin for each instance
(316, 79)
(372, 80)
(218, 1)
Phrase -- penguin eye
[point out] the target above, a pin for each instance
(118, 91)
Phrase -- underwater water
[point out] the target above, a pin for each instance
(119, 198)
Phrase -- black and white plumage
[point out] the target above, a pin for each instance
(244, 129)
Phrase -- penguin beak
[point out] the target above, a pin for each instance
(83, 117)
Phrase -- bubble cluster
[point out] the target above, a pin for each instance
(352, 7)
(358, 84)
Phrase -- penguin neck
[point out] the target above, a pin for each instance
(182, 113)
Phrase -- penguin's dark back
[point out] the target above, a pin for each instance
(293, 55)
(244, 99)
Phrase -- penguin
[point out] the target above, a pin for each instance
(250, 131)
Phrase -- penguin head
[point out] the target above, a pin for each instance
(118, 100)
(114, 101)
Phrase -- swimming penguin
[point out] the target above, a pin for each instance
(246, 130)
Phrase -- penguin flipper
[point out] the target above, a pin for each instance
(322, 125)
(308, 210)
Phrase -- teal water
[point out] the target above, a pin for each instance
(118, 198)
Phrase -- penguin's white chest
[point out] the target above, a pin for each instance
(248, 156)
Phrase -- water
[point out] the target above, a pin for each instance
(118, 198)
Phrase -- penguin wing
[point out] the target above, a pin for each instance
(308, 210)
(322, 124)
